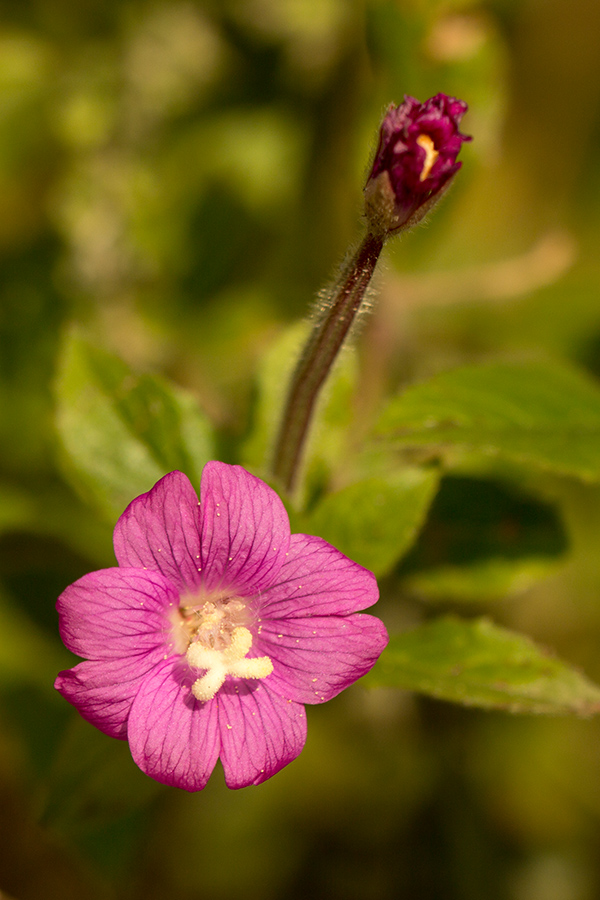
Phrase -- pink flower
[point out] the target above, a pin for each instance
(415, 160)
(214, 630)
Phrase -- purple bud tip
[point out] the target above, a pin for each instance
(415, 160)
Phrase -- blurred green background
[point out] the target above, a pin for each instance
(179, 179)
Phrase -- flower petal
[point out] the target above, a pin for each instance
(316, 658)
(160, 531)
(172, 736)
(318, 580)
(245, 530)
(116, 613)
(260, 732)
(103, 690)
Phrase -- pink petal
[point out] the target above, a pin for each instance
(316, 658)
(103, 690)
(245, 530)
(116, 613)
(160, 531)
(318, 580)
(260, 732)
(172, 736)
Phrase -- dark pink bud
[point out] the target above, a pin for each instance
(415, 161)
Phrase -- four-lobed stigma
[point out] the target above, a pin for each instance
(230, 660)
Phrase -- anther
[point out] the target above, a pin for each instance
(431, 154)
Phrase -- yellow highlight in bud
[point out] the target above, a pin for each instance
(221, 663)
(431, 154)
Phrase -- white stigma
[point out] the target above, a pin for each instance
(431, 154)
(230, 660)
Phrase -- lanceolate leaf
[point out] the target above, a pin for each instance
(481, 581)
(328, 435)
(121, 432)
(477, 663)
(483, 540)
(542, 414)
(375, 521)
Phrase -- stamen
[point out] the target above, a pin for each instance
(231, 660)
(431, 154)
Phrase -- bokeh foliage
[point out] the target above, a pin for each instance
(177, 180)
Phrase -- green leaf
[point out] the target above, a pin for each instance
(480, 664)
(483, 540)
(121, 432)
(328, 435)
(375, 521)
(273, 376)
(540, 414)
(482, 581)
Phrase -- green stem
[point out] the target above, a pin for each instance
(323, 345)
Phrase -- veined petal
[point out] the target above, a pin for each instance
(103, 690)
(245, 530)
(160, 531)
(173, 737)
(318, 580)
(315, 658)
(116, 613)
(260, 733)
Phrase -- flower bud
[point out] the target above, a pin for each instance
(415, 161)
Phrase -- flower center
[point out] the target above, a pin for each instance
(431, 154)
(218, 640)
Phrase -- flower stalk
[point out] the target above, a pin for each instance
(320, 352)
(414, 166)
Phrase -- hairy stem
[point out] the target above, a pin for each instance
(320, 352)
